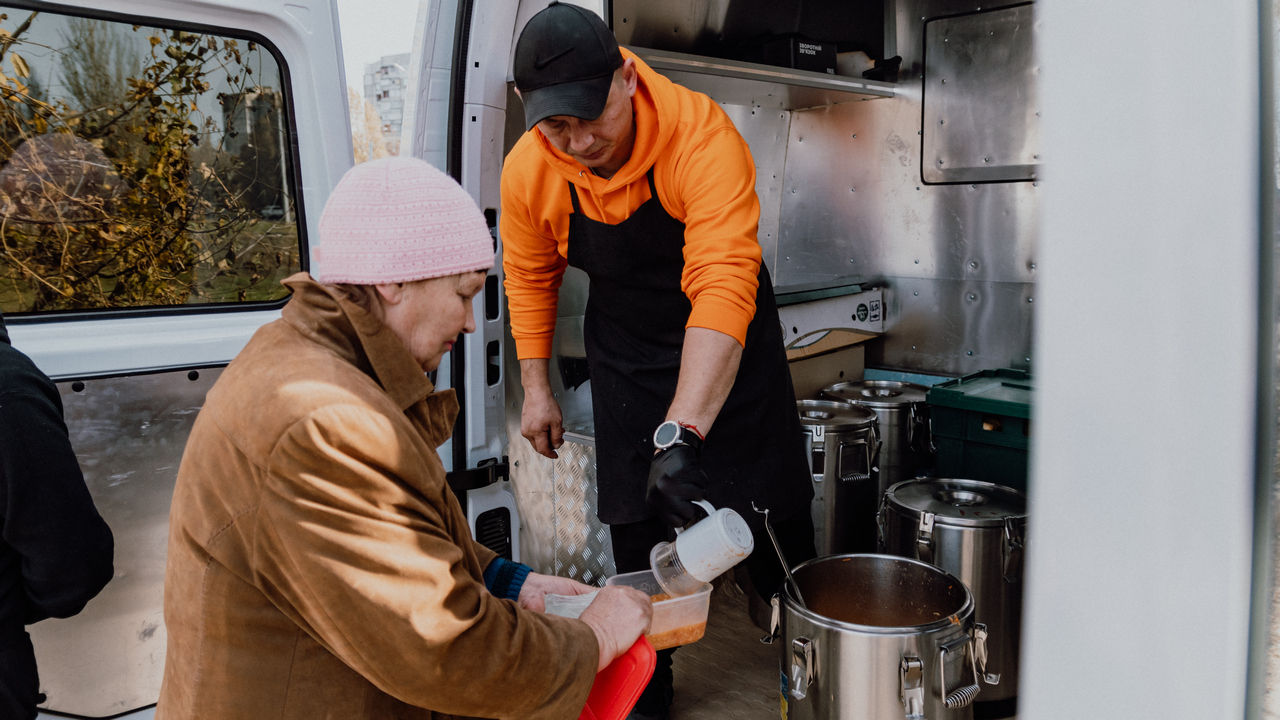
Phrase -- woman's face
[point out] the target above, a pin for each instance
(428, 315)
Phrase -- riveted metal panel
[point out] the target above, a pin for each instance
(981, 109)
(854, 203)
(766, 131)
(867, 213)
(957, 325)
(128, 434)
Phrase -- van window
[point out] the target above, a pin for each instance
(140, 167)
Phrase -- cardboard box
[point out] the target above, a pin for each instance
(823, 359)
(801, 54)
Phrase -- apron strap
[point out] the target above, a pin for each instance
(573, 194)
(577, 206)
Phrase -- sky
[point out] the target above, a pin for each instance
(371, 29)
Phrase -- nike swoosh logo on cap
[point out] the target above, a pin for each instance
(540, 64)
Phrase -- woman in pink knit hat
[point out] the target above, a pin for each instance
(319, 565)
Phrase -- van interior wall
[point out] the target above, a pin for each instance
(844, 196)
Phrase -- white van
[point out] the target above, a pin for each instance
(192, 144)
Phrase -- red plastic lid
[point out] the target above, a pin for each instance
(618, 686)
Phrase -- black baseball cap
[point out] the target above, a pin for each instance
(564, 64)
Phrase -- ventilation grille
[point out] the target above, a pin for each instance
(493, 530)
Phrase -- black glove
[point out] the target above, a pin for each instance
(675, 481)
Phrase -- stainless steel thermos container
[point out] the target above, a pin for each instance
(974, 530)
(877, 638)
(905, 445)
(842, 441)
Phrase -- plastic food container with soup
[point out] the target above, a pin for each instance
(676, 621)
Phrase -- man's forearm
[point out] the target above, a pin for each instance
(535, 375)
(708, 367)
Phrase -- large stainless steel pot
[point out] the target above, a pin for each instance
(905, 446)
(881, 638)
(974, 530)
(843, 442)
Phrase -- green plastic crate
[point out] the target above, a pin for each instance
(982, 426)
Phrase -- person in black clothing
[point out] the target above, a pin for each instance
(55, 549)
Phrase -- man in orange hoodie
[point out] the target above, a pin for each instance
(649, 188)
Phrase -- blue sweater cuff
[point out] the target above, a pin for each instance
(505, 578)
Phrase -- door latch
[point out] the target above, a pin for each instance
(911, 686)
(801, 667)
(1012, 547)
(924, 538)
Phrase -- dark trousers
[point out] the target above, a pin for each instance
(633, 541)
(19, 683)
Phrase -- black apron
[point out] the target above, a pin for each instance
(634, 334)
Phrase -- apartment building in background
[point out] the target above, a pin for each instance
(385, 83)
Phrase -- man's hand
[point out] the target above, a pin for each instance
(619, 616)
(536, 587)
(676, 480)
(542, 424)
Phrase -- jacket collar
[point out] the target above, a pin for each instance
(357, 336)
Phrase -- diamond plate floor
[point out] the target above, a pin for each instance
(729, 673)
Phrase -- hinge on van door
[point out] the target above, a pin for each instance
(487, 472)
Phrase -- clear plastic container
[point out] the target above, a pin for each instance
(678, 621)
(674, 579)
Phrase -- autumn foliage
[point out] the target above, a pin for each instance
(140, 184)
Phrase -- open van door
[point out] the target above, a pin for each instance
(456, 118)
(164, 164)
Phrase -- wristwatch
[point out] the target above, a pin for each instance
(672, 433)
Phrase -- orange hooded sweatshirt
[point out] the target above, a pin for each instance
(705, 178)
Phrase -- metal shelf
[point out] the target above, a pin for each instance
(741, 83)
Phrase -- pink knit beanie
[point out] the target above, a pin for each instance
(398, 220)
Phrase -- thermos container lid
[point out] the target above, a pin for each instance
(965, 503)
(876, 393)
(837, 416)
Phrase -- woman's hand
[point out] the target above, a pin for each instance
(619, 616)
(536, 587)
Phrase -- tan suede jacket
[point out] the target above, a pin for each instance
(320, 567)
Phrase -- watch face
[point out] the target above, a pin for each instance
(665, 434)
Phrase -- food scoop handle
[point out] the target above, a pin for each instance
(783, 558)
